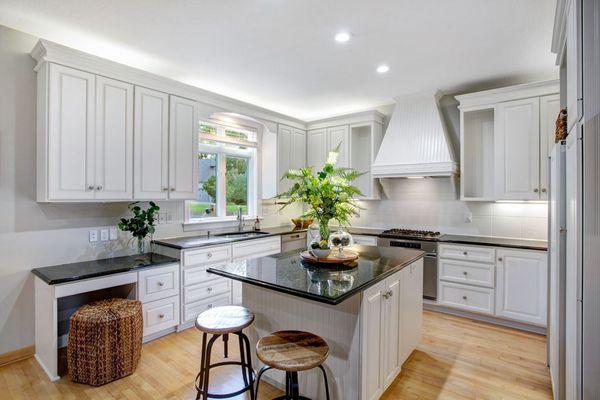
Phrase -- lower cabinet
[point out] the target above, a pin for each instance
(522, 285)
(391, 319)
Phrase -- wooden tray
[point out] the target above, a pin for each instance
(332, 258)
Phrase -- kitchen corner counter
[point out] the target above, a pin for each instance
(287, 273)
(525, 244)
(64, 273)
(192, 242)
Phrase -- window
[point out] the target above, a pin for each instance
(226, 173)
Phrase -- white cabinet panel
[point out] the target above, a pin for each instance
(371, 341)
(392, 329)
(183, 148)
(160, 315)
(217, 254)
(191, 311)
(411, 310)
(516, 148)
(574, 63)
(114, 140)
(316, 148)
(522, 285)
(255, 248)
(206, 290)
(151, 144)
(466, 272)
(71, 118)
(298, 150)
(467, 253)
(549, 109)
(158, 283)
(470, 298)
(284, 162)
(339, 135)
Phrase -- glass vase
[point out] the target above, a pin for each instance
(141, 245)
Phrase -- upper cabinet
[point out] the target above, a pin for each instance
(291, 153)
(358, 136)
(183, 148)
(85, 136)
(505, 137)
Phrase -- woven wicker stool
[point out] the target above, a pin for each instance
(105, 341)
(292, 352)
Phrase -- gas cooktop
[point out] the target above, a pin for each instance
(400, 233)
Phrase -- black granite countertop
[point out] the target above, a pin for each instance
(496, 241)
(190, 242)
(92, 269)
(287, 273)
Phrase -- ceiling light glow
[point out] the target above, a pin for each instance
(342, 37)
(382, 69)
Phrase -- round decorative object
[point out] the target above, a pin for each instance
(340, 239)
(331, 258)
(320, 253)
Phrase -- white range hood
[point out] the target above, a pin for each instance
(416, 142)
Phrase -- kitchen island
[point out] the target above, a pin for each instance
(369, 314)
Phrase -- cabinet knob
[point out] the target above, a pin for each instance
(161, 284)
(391, 293)
(208, 255)
(536, 190)
(161, 316)
(543, 190)
(464, 297)
(90, 187)
(99, 187)
(500, 259)
(465, 273)
(172, 189)
(210, 306)
(165, 189)
(464, 253)
(209, 289)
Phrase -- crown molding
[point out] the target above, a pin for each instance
(371, 116)
(507, 93)
(559, 32)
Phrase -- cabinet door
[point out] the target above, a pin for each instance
(183, 148)
(298, 149)
(549, 109)
(392, 328)
(316, 148)
(517, 150)
(338, 135)
(371, 341)
(151, 145)
(284, 150)
(71, 116)
(114, 139)
(522, 285)
(411, 309)
(574, 63)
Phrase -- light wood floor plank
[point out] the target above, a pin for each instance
(457, 359)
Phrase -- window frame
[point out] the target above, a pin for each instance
(222, 151)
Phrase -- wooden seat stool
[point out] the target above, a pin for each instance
(292, 352)
(221, 322)
(105, 341)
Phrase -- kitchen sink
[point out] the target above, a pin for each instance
(242, 234)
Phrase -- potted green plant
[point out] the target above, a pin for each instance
(141, 224)
(328, 194)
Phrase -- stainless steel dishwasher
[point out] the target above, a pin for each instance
(293, 241)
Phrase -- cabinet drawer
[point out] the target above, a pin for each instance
(206, 255)
(191, 311)
(206, 290)
(469, 298)
(365, 240)
(256, 248)
(195, 275)
(158, 283)
(467, 253)
(467, 272)
(160, 314)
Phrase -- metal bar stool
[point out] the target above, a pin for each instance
(292, 352)
(221, 322)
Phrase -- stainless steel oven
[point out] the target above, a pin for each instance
(430, 268)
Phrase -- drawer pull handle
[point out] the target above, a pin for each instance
(161, 284)
(500, 259)
(465, 273)
(161, 316)
(536, 190)
(99, 187)
(90, 187)
(208, 255)
(172, 189)
(544, 190)
(464, 253)
(464, 297)
(209, 289)
(165, 189)
(210, 306)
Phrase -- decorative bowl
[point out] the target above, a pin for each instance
(320, 253)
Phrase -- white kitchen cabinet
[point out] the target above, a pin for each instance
(522, 285)
(291, 153)
(574, 61)
(151, 145)
(183, 148)
(372, 346)
(70, 135)
(411, 310)
(549, 109)
(392, 329)
(517, 150)
(339, 136)
(316, 148)
(114, 140)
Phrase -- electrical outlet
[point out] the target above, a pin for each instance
(113, 234)
(169, 218)
(161, 218)
(103, 235)
(93, 235)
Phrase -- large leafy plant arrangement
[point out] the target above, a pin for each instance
(328, 194)
(141, 224)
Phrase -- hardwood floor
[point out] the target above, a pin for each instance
(457, 359)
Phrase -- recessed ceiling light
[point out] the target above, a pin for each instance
(382, 69)
(342, 37)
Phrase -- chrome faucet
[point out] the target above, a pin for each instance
(240, 218)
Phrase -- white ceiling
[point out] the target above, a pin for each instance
(280, 54)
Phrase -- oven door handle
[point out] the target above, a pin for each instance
(430, 255)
